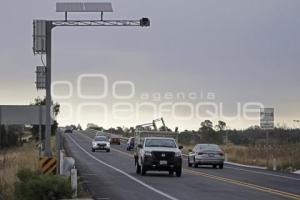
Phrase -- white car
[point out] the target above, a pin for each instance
(101, 143)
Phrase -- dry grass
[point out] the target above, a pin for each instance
(11, 161)
(26, 156)
(287, 156)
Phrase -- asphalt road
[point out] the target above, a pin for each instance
(112, 176)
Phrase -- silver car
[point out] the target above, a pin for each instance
(206, 154)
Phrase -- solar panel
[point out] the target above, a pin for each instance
(83, 7)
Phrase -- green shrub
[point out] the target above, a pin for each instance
(8, 138)
(35, 186)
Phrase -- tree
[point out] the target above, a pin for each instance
(56, 109)
(2, 137)
(206, 126)
(8, 138)
(119, 130)
(221, 125)
(132, 129)
(208, 134)
(111, 130)
(79, 127)
(38, 101)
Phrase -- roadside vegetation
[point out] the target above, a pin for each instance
(10, 137)
(11, 161)
(286, 155)
(32, 185)
(20, 177)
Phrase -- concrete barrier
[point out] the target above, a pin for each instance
(74, 182)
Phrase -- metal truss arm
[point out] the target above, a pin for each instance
(97, 23)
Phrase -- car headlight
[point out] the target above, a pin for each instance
(178, 154)
(94, 143)
(147, 153)
(108, 144)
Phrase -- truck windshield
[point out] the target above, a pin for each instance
(169, 143)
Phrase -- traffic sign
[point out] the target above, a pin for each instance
(23, 114)
(267, 118)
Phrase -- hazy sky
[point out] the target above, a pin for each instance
(239, 50)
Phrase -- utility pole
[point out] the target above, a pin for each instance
(42, 38)
(268, 150)
(226, 132)
(267, 124)
(48, 89)
(0, 127)
(40, 131)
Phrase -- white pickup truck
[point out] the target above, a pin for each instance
(157, 151)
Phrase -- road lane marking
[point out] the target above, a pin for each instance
(249, 185)
(228, 180)
(264, 173)
(122, 172)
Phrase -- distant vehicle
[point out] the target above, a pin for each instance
(100, 133)
(114, 139)
(100, 143)
(68, 129)
(130, 144)
(206, 154)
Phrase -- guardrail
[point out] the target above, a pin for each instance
(66, 165)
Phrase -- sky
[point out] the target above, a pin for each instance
(207, 59)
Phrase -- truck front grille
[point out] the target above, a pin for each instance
(162, 155)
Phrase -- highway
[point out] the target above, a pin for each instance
(112, 176)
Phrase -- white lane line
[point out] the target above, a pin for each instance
(124, 173)
(245, 166)
(264, 173)
(256, 172)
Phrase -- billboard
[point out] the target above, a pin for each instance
(22, 114)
